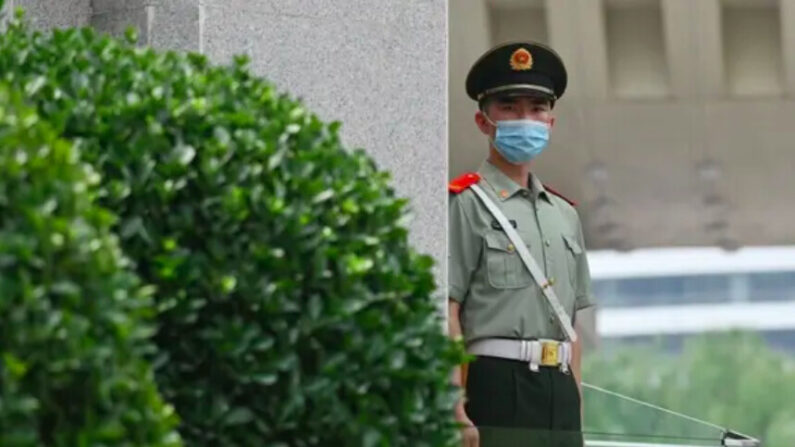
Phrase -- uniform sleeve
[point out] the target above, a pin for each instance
(463, 251)
(584, 296)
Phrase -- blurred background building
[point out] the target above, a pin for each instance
(677, 128)
(670, 294)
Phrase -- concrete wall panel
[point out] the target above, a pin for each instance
(379, 67)
(47, 14)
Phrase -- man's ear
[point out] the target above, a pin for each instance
(483, 123)
(551, 122)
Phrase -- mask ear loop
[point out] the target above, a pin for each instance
(485, 115)
(491, 139)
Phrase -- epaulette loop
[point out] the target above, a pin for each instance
(462, 182)
(568, 200)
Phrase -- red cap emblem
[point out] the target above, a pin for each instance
(521, 59)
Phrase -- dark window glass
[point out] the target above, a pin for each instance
(663, 291)
(778, 286)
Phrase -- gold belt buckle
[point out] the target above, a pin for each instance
(549, 353)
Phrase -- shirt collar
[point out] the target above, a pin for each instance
(538, 188)
(504, 187)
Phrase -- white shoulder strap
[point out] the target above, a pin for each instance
(530, 263)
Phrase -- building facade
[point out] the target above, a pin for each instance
(677, 125)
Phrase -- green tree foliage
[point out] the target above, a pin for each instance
(74, 321)
(730, 379)
(291, 309)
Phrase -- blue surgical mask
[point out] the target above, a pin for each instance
(520, 141)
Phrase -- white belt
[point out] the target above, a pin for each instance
(535, 352)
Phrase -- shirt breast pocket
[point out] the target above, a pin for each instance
(573, 252)
(505, 269)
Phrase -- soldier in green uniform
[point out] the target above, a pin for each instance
(523, 387)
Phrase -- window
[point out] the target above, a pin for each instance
(662, 291)
(777, 286)
(702, 289)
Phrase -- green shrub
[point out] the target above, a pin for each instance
(292, 310)
(72, 317)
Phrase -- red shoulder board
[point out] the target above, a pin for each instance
(568, 200)
(462, 182)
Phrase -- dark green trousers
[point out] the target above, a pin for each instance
(513, 406)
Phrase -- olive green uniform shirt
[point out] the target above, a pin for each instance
(498, 296)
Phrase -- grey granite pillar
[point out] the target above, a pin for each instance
(48, 14)
(378, 66)
(165, 24)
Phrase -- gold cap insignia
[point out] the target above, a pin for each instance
(521, 59)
